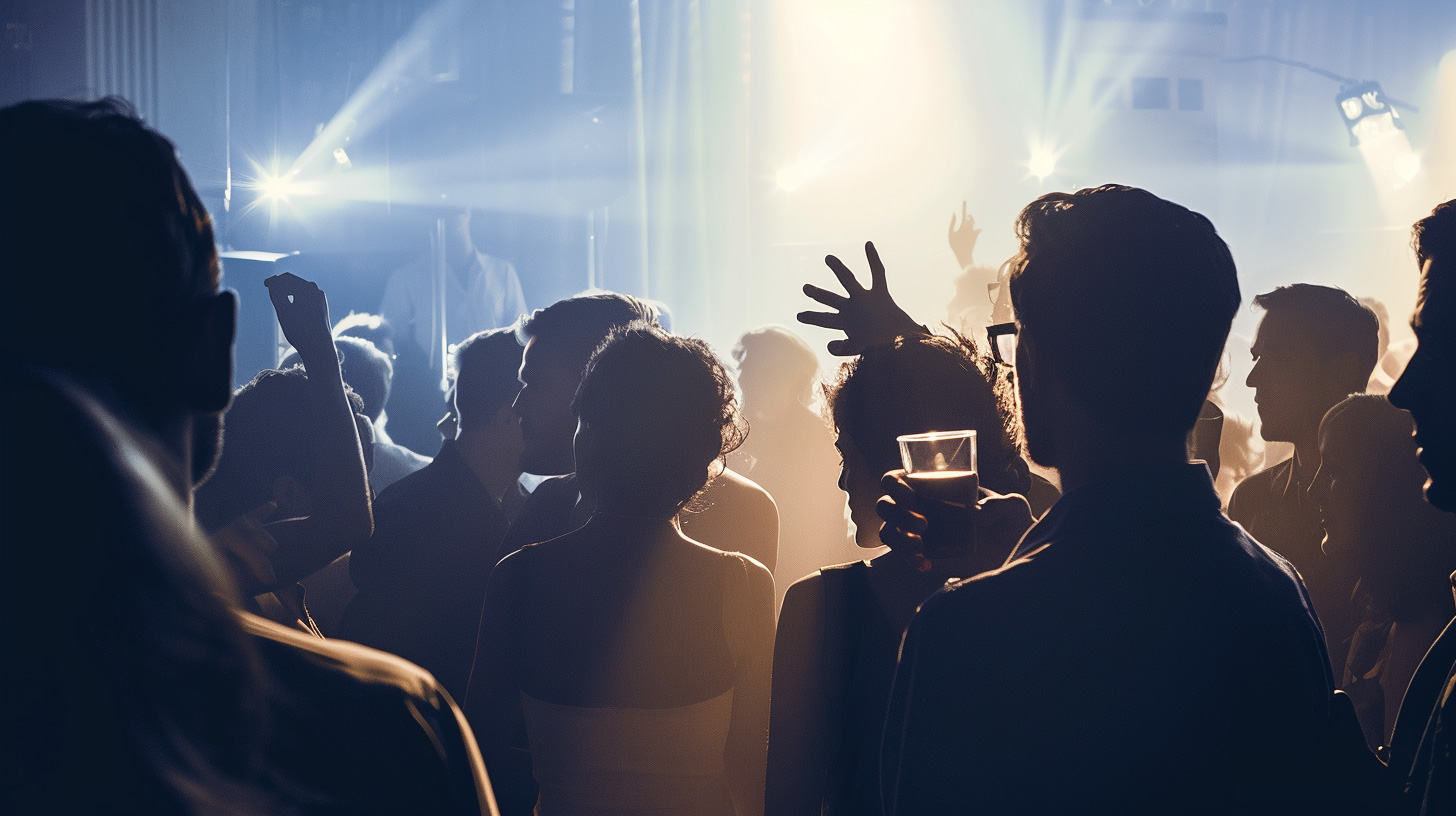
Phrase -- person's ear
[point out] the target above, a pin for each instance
(210, 353)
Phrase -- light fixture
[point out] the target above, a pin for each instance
(1366, 111)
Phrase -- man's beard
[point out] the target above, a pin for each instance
(206, 446)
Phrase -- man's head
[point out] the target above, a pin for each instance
(1369, 491)
(366, 369)
(1427, 388)
(141, 286)
(485, 369)
(776, 369)
(369, 327)
(559, 341)
(1123, 303)
(270, 449)
(1315, 346)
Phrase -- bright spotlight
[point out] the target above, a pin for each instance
(1042, 162)
(276, 188)
(342, 159)
(790, 179)
(1366, 111)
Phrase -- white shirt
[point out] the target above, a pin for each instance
(487, 296)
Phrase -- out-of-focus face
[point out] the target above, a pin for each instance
(862, 485)
(1293, 384)
(548, 385)
(1427, 388)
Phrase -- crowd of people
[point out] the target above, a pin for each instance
(614, 589)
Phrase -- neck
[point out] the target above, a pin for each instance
(494, 467)
(1306, 457)
(1104, 451)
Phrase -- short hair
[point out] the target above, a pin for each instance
(485, 371)
(269, 431)
(1435, 235)
(1333, 321)
(1116, 268)
(929, 383)
(793, 361)
(662, 410)
(96, 306)
(371, 327)
(575, 327)
(368, 371)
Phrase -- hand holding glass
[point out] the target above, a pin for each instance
(941, 467)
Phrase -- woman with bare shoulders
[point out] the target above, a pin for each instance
(636, 659)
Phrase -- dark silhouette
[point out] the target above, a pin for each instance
(732, 513)
(291, 440)
(1423, 747)
(1139, 653)
(350, 730)
(637, 658)
(790, 451)
(1368, 489)
(840, 629)
(438, 532)
(1315, 346)
(138, 659)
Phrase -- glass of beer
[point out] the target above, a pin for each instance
(941, 467)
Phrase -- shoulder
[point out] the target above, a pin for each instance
(347, 663)
(989, 596)
(734, 490)
(1260, 482)
(757, 580)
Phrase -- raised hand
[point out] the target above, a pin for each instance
(303, 313)
(868, 317)
(963, 239)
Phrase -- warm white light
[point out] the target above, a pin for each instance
(342, 158)
(789, 179)
(1407, 166)
(1043, 162)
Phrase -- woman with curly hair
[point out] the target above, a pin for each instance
(637, 659)
(840, 629)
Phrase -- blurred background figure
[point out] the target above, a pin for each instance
(481, 292)
(790, 451)
(1402, 549)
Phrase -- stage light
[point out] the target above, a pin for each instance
(1366, 111)
(1042, 161)
(342, 159)
(275, 188)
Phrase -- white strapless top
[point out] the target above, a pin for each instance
(630, 760)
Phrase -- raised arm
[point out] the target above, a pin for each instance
(342, 515)
(868, 317)
(801, 726)
(749, 620)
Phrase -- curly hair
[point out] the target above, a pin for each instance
(663, 412)
(929, 383)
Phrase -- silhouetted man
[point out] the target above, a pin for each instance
(736, 514)
(1315, 346)
(134, 310)
(1423, 749)
(1138, 653)
(1369, 492)
(438, 531)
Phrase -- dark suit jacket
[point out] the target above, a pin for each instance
(422, 576)
(1140, 654)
